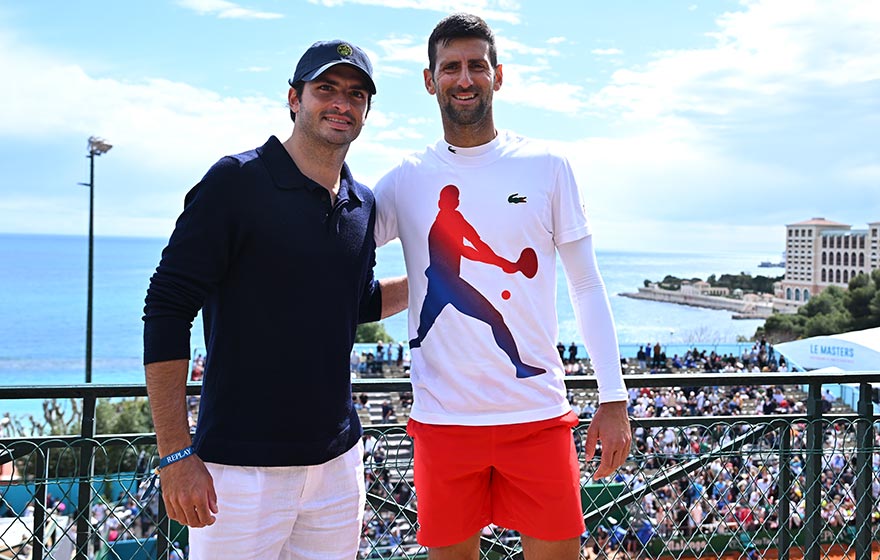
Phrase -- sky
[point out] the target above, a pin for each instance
(691, 126)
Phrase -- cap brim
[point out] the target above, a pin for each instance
(315, 73)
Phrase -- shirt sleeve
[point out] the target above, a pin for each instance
(569, 211)
(386, 208)
(593, 313)
(371, 299)
(192, 264)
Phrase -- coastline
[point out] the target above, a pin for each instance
(743, 309)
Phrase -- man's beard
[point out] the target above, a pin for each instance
(468, 116)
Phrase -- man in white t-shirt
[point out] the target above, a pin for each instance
(481, 216)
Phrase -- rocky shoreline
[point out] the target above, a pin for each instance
(743, 309)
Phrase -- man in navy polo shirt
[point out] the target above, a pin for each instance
(276, 247)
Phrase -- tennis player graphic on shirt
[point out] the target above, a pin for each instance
(446, 248)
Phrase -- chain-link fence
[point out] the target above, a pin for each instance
(737, 485)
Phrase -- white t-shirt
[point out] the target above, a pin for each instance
(513, 194)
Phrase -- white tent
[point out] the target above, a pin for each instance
(852, 351)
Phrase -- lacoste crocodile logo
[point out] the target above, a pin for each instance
(515, 198)
(451, 149)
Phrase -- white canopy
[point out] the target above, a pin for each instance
(852, 351)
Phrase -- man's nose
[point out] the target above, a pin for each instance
(341, 101)
(464, 77)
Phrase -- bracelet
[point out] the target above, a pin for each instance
(175, 457)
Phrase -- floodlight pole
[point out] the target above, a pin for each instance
(97, 146)
(86, 471)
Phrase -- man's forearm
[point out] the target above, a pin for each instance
(395, 292)
(166, 386)
(590, 302)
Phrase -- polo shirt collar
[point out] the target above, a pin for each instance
(287, 175)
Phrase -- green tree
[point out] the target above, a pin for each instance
(825, 324)
(782, 327)
(874, 304)
(831, 300)
(670, 283)
(128, 416)
(372, 332)
(862, 291)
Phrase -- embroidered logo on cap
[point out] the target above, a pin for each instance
(344, 49)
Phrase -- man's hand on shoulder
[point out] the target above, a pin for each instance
(610, 425)
(188, 491)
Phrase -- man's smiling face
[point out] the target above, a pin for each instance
(464, 81)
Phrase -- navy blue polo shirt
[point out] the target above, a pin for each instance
(282, 277)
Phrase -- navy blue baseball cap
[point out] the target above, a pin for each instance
(324, 54)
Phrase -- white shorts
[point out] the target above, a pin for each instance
(286, 513)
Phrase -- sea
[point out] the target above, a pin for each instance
(43, 293)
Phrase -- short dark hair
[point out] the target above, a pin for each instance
(460, 26)
(300, 86)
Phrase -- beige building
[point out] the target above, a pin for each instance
(821, 253)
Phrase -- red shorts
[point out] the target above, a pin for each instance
(524, 477)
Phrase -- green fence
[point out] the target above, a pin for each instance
(738, 485)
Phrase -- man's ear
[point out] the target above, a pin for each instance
(429, 81)
(499, 77)
(293, 100)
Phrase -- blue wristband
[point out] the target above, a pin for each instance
(175, 457)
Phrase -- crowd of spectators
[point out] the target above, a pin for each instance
(728, 489)
(393, 358)
(731, 490)
(761, 357)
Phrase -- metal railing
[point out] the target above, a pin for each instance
(733, 485)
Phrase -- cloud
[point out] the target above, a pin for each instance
(159, 129)
(404, 48)
(507, 46)
(527, 86)
(497, 10)
(226, 10)
(606, 52)
(763, 56)
(752, 130)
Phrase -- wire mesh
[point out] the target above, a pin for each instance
(735, 486)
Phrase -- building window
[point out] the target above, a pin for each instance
(837, 276)
(837, 258)
(845, 276)
(797, 294)
(861, 242)
(806, 295)
(839, 242)
(861, 259)
(824, 259)
(846, 242)
(788, 293)
(846, 259)
(823, 274)
(824, 242)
